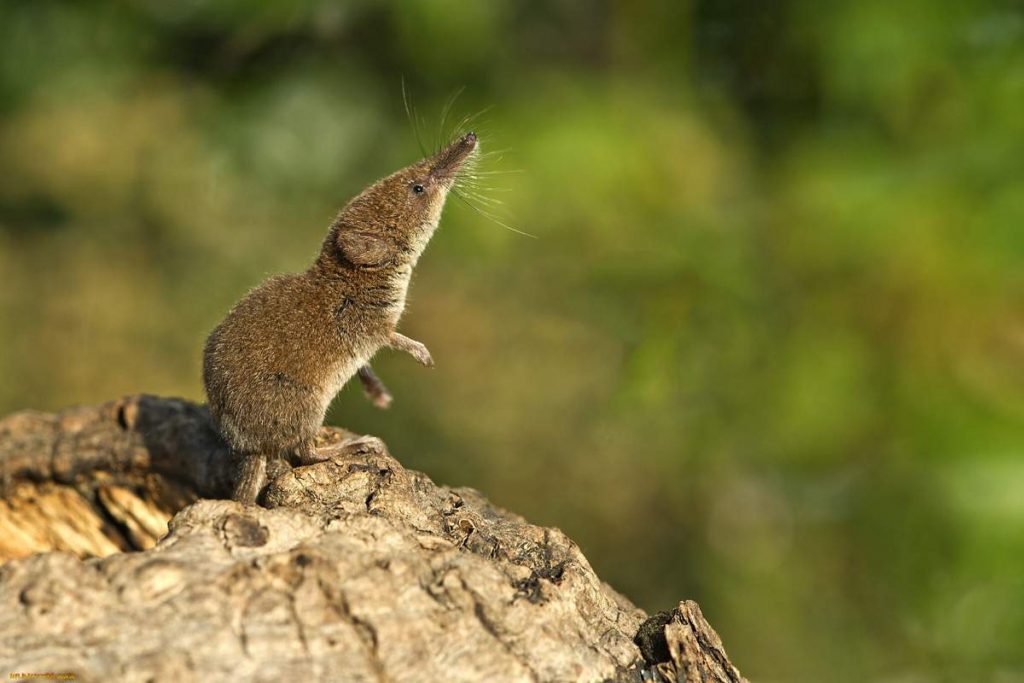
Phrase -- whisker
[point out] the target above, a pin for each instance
(410, 113)
(442, 132)
(493, 152)
(489, 216)
(479, 187)
(488, 188)
(486, 201)
(483, 183)
(499, 172)
(466, 120)
(481, 198)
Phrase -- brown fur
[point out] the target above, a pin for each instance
(273, 365)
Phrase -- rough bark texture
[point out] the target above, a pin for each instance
(357, 569)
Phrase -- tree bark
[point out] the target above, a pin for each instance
(123, 562)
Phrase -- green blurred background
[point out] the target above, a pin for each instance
(767, 351)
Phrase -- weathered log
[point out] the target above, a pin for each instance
(357, 569)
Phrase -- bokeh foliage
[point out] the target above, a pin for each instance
(767, 352)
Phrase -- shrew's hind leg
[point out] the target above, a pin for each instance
(308, 453)
(250, 477)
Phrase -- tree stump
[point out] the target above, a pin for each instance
(124, 562)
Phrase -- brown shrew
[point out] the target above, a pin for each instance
(273, 365)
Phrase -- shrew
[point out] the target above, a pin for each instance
(273, 365)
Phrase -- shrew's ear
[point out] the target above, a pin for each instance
(363, 249)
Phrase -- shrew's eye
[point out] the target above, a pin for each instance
(418, 189)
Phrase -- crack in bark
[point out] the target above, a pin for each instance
(368, 635)
(492, 629)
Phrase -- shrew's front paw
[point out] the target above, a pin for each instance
(419, 351)
(414, 348)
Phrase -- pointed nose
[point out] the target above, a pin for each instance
(446, 163)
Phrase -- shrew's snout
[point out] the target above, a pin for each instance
(447, 162)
